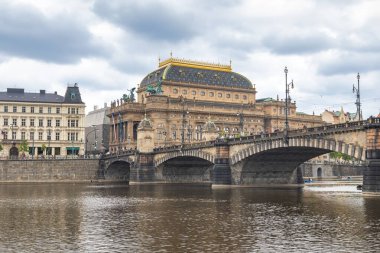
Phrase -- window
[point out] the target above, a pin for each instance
(193, 92)
(49, 109)
(41, 109)
(76, 123)
(32, 122)
(14, 122)
(236, 96)
(40, 136)
(57, 135)
(32, 109)
(58, 110)
(22, 135)
(5, 108)
(57, 122)
(77, 110)
(71, 136)
(228, 95)
(40, 122)
(175, 91)
(220, 95)
(203, 93)
(31, 136)
(5, 134)
(245, 97)
(49, 122)
(184, 92)
(14, 135)
(23, 122)
(14, 108)
(211, 94)
(5, 122)
(72, 110)
(23, 109)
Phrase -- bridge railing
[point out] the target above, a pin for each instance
(302, 132)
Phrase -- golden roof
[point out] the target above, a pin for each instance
(195, 64)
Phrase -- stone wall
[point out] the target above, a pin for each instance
(49, 170)
(330, 170)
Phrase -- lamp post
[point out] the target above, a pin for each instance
(241, 122)
(49, 138)
(13, 137)
(357, 90)
(33, 146)
(287, 88)
(183, 121)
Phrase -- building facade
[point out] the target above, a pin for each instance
(181, 96)
(46, 123)
(97, 130)
(337, 117)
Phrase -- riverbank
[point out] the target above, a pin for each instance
(65, 170)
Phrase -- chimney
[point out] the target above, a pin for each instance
(105, 105)
(95, 107)
(42, 92)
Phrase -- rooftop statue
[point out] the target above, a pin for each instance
(131, 97)
(155, 90)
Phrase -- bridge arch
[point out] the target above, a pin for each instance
(118, 169)
(189, 166)
(188, 153)
(323, 145)
(273, 162)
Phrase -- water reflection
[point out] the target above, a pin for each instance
(175, 218)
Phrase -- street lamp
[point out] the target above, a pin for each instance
(183, 121)
(287, 98)
(241, 122)
(49, 138)
(33, 146)
(357, 90)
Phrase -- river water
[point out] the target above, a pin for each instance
(185, 218)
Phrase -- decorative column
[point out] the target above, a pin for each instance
(143, 169)
(371, 174)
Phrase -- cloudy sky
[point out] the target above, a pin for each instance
(108, 47)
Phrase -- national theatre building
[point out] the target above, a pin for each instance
(183, 99)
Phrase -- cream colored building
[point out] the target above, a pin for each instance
(181, 96)
(51, 124)
(337, 117)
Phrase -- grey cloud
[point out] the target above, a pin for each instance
(297, 44)
(151, 20)
(350, 63)
(26, 32)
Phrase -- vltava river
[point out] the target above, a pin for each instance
(169, 218)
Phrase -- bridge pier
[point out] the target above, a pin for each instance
(221, 173)
(371, 174)
(143, 169)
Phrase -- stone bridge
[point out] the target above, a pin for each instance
(252, 160)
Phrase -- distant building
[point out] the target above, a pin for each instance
(337, 117)
(51, 124)
(97, 130)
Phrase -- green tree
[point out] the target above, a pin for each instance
(1, 147)
(24, 147)
(43, 147)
